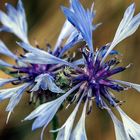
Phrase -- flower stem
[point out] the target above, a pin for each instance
(55, 125)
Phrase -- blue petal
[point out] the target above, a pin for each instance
(38, 56)
(67, 29)
(114, 52)
(6, 93)
(119, 128)
(52, 86)
(41, 82)
(15, 21)
(6, 81)
(74, 38)
(11, 12)
(132, 128)
(79, 132)
(16, 97)
(132, 85)
(5, 64)
(14, 94)
(78, 62)
(82, 20)
(104, 50)
(3, 28)
(65, 131)
(46, 81)
(45, 112)
(4, 50)
(127, 27)
(22, 16)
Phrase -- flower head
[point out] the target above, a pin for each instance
(35, 70)
(90, 77)
(93, 82)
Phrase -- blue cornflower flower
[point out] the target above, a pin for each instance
(93, 82)
(36, 69)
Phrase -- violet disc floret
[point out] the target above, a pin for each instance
(97, 76)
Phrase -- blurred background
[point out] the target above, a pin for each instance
(45, 20)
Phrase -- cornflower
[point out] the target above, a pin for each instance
(94, 81)
(90, 77)
(35, 71)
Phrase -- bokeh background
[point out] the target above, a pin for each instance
(45, 20)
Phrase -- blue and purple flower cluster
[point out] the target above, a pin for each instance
(90, 77)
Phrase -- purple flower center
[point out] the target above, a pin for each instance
(97, 76)
(31, 71)
(34, 70)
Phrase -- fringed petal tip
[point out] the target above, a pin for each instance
(132, 128)
(80, 19)
(129, 84)
(45, 112)
(79, 133)
(65, 131)
(15, 95)
(4, 50)
(8, 117)
(15, 21)
(128, 25)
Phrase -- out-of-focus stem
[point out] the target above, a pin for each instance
(55, 125)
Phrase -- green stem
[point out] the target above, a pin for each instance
(55, 125)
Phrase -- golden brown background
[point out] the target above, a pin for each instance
(45, 20)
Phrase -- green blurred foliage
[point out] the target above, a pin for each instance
(45, 20)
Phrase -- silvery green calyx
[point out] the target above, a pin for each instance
(88, 79)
